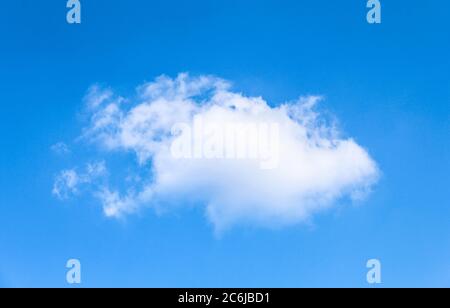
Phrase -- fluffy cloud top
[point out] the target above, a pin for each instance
(314, 167)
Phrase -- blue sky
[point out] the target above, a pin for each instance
(387, 84)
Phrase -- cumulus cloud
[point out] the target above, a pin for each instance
(292, 163)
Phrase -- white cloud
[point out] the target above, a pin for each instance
(315, 166)
(68, 182)
(96, 96)
(60, 148)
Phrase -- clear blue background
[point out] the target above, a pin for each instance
(388, 84)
